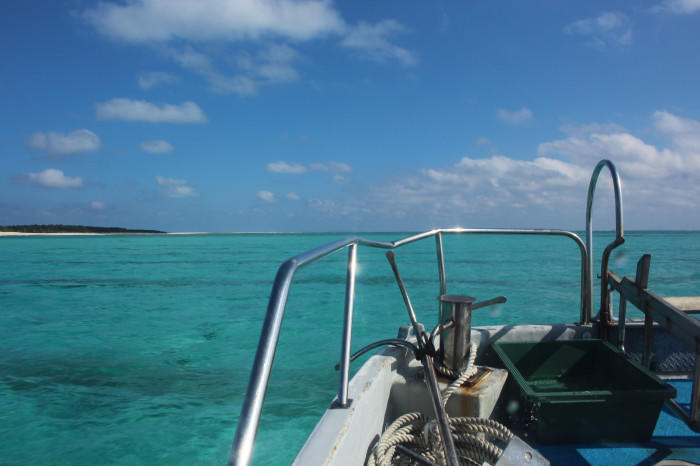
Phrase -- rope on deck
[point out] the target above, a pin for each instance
(477, 440)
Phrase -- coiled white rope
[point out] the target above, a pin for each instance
(476, 439)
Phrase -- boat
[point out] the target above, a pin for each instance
(604, 389)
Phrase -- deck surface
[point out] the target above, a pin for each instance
(672, 440)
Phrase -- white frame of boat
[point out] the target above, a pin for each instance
(241, 453)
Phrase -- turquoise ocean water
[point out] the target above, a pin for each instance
(137, 349)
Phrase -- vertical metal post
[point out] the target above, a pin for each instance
(621, 322)
(454, 342)
(347, 327)
(440, 263)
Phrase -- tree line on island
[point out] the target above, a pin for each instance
(69, 229)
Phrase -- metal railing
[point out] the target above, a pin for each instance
(249, 420)
(605, 317)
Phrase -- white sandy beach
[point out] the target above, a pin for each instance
(16, 233)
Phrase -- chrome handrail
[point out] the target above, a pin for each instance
(249, 420)
(619, 239)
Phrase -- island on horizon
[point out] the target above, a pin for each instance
(73, 229)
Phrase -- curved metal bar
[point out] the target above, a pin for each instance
(619, 239)
(249, 420)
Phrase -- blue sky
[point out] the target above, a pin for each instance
(282, 115)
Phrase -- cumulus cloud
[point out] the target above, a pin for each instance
(81, 140)
(97, 205)
(287, 168)
(610, 29)
(494, 191)
(272, 64)
(173, 187)
(372, 41)
(636, 158)
(297, 169)
(157, 146)
(154, 78)
(661, 183)
(266, 196)
(140, 110)
(684, 133)
(260, 31)
(53, 178)
(333, 167)
(678, 7)
(293, 196)
(160, 21)
(515, 117)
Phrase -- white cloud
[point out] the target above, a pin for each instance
(97, 205)
(679, 7)
(610, 29)
(201, 64)
(296, 168)
(266, 196)
(161, 20)
(515, 117)
(140, 110)
(287, 168)
(81, 140)
(372, 41)
(494, 191)
(661, 184)
(157, 146)
(636, 158)
(263, 28)
(293, 196)
(684, 133)
(333, 167)
(154, 78)
(270, 64)
(173, 187)
(53, 178)
(340, 167)
(339, 179)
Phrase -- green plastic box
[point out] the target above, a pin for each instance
(584, 391)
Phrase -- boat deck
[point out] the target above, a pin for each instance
(672, 439)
